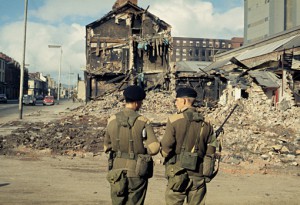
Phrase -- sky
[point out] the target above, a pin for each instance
(62, 22)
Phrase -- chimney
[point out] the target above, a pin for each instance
(120, 3)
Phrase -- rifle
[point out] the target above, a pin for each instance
(220, 129)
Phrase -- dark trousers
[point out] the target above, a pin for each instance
(135, 193)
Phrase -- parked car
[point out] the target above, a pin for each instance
(29, 100)
(48, 100)
(39, 100)
(3, 98)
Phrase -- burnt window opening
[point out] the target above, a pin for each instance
(244, 94)
(136, 25)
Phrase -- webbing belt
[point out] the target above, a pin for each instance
(125, 155)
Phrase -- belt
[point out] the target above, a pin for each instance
(125, 155)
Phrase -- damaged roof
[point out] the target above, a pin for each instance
(123, 8)
(192, 66)
(265, 49)
(286, 43)
(265, 79)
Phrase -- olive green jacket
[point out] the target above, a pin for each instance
(141, 145)
(172, 141)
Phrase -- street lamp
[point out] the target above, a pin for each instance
(23, 63)
(58, 89)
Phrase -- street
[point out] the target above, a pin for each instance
(10, 111)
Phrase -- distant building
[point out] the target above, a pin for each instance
(264, 18)
(201, 49)
(2, 75)
(37, 84)
(10, 77)
(51, 86)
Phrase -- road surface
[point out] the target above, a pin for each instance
(10, 111)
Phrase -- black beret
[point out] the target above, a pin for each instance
(134, 93)
(186, 92)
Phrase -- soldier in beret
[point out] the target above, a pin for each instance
(130, 142)
(187, 140)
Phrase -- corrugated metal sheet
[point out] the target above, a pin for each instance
(191, 66)
(295, 42)
(218, 64)
(265, 78)
(262, 50)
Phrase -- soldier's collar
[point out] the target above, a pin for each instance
(184, 109)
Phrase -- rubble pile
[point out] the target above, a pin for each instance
(256, 131)
(73, 133)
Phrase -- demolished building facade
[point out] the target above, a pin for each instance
(270, 64)
(128, 45)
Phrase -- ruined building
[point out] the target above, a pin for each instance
(127, 45)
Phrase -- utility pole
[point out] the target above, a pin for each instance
(69, 92)
(23, 63)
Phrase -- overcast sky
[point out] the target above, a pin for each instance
(62, 22)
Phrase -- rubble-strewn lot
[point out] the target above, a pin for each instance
(256, 134)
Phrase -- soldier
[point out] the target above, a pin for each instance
(187, 141)
(130, 142)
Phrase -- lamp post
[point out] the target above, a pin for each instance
(58, 89)
(23, 63)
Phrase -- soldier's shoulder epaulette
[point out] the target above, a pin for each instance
(113, 117)
(142, 118)
(176, 117)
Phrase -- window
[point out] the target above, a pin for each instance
(197, 43)
(223, 45)
(191, 52)
(177, 52)
(197, 52)
(204, 43)
(210, 44)
(217, 44)
(178, 42)
(191, 43)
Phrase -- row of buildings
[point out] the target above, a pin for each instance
(35, 84)
(131, 45)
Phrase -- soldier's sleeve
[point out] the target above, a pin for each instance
(152, 143)
(150, 140)
(168, 140)
(212, 140)
(107, 138)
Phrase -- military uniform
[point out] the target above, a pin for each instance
(129, 136)
(186, 131)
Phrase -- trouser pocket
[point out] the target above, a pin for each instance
(118, 181)
(178, 178)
